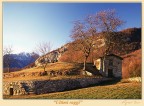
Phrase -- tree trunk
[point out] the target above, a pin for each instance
(44, 68)
(8, 70)
(84, 68)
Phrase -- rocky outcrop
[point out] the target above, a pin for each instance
(47, 86)
(53, 56)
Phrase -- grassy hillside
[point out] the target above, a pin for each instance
(129, 90)
(34, 73)
(68, 70)
(131, 66)
(131, 42)
(55, 66)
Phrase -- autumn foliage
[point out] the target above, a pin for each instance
(72, 56)
(132, 64)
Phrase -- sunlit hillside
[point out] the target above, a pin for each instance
(36, 73)
(132, 64)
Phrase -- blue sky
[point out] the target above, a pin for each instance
(27, 24)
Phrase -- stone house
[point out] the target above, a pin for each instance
(109, 66)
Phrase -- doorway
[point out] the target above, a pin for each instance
(110, 73)
(11, 91)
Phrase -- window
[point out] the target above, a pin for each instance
(110, 62)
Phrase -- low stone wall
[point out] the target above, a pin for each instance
(47, 86)
(49, 73)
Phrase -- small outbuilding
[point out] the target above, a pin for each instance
(109, 65)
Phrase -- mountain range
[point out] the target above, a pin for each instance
(21, 60)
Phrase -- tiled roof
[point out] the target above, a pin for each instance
(113, 55)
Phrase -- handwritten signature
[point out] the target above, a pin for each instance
(130, 102)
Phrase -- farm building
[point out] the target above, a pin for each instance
(109, 66)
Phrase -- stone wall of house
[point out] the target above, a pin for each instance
(47, 86)
(98, 63)
(116, 67)
(103, 66)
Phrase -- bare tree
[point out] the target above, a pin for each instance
(108, 23)
(43, 49)
(83, 37)
(83, 34)
(7, 57)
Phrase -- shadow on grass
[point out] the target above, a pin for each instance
(110, 82)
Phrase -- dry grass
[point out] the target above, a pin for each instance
(59, 66)
(53, 66)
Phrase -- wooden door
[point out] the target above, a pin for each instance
(110, 73)
(11, 91)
